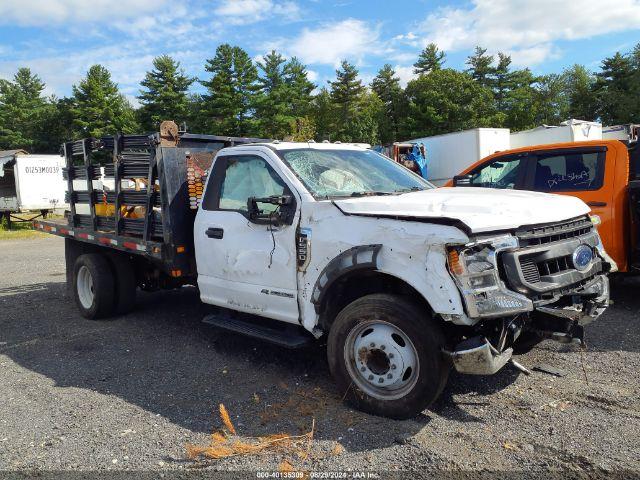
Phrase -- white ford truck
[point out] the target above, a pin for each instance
(304, 241)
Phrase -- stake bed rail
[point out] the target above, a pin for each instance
(139, 193)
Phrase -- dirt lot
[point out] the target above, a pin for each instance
(129, 393)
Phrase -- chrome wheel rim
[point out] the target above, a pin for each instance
(381, 360)
(84, 285)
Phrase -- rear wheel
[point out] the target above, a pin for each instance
(386, 354)
(94, 286)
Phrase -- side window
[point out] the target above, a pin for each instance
(245, 177)
(501, 173)
(573, 171)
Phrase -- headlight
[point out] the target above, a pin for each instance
(475, 269)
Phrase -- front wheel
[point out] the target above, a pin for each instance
(386, 356)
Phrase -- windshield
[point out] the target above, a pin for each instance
(345, 173)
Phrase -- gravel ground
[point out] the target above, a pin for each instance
(130, 393)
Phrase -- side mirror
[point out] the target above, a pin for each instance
(462, 180)
(277, 217)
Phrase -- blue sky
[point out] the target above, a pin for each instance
(60, 39)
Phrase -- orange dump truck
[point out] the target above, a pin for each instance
(605, 174)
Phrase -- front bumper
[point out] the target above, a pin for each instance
(476, 356)
(562, 321)
(589, 302)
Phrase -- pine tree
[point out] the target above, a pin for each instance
(299, 88)
(387, 86)
(324, 115)
(165, 93)
(430, 59)
(480, 66)
(55, 125)
(364, 127)
(579, 83)
(346, 91)
(520, 105)
(230, 100)
(298, 98)
(618, 90)
(272, 110)
(99, 108)
(21, 110)
(552, 103)
(501, 81)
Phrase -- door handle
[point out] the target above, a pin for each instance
(597, 204)
(215, 232)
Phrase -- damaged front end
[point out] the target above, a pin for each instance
(541, 283)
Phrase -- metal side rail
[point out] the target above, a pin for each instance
(126, 244)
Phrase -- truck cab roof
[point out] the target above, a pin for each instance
(279, 146)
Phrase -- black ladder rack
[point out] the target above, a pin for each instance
(133, 157)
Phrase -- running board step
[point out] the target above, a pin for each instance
(290, 336)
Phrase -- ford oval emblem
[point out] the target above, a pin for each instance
(582, 257)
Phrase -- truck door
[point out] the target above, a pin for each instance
(243, 265)
(583, 172)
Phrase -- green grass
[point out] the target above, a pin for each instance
(19, 231)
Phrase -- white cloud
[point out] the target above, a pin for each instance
(55, 12)
(243, 12)
(127, 67)
(312, 75)
(124, 46)
(528, 30)
(330, 43)
(524, 57)
(405, 74)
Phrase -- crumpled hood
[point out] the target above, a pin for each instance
(481, 209)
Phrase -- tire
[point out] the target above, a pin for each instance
(93, 286)
(377, 318)
(125, 284)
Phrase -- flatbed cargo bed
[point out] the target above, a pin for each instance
(139, 193)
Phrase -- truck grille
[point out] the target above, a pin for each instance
(531, 236)
(543, 263)
(532, 270)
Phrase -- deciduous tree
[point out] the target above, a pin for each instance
(446, 101)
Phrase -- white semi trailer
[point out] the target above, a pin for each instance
(30, 183)
(568, 131)
(449, 154)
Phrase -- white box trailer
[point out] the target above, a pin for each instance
(30, 183)
(451, 153)
(625, 133)
(569, 131)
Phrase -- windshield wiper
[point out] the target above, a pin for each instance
(369, 194)
(407, 190)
